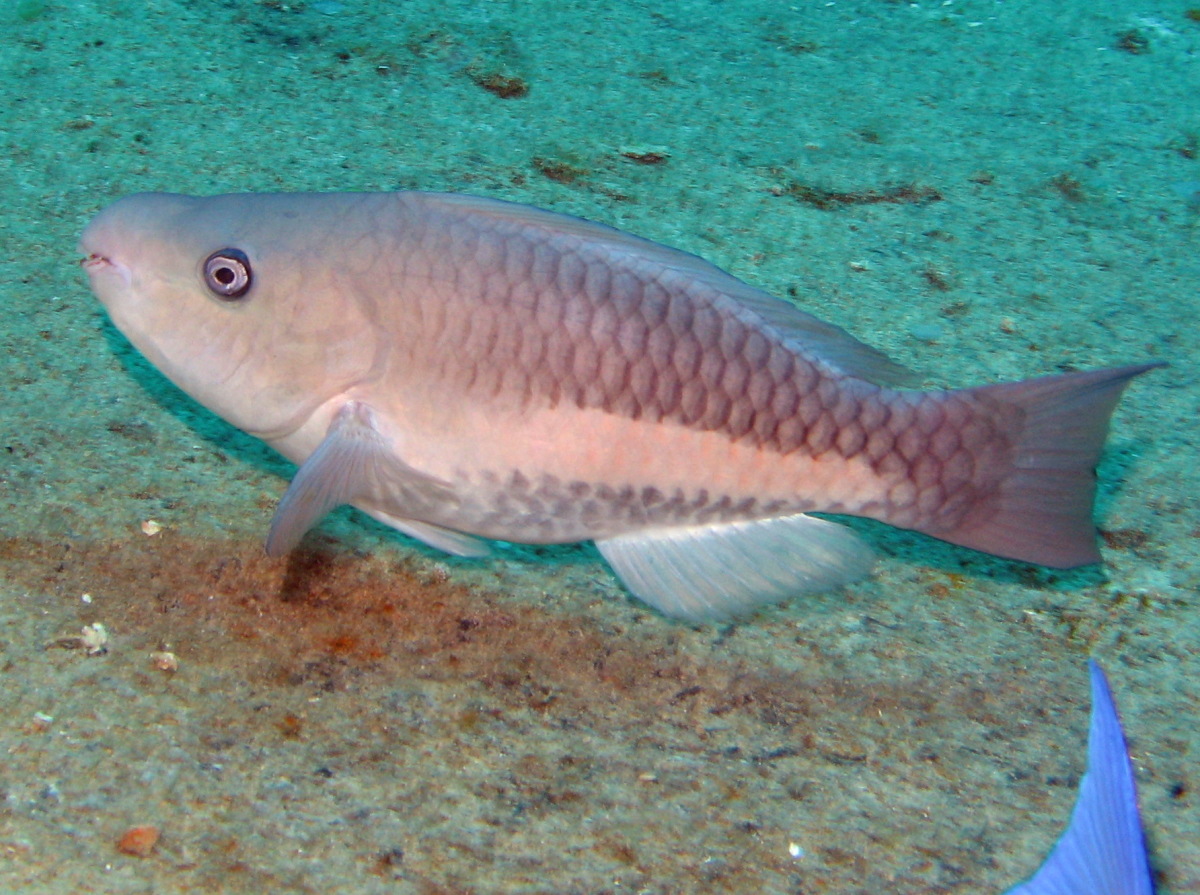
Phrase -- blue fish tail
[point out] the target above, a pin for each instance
(1103, 851)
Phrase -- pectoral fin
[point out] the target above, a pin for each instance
(705, 573)
(353, 462)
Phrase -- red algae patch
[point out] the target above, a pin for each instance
(375, 715)
(326, 620)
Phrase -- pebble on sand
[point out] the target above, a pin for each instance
(138, 841)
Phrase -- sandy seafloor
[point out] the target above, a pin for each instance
(368, 716)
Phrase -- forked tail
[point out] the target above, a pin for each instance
(1040, 509)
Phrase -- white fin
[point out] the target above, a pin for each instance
(710, 572)
(447, 540)
(353, 462)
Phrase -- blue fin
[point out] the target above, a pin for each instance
(711, 572)
(353, 463)
(1103, 851)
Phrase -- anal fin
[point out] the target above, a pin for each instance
(711, 572)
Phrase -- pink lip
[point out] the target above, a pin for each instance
(101, 268)
(94, 262)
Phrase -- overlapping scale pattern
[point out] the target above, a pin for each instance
(548, 317)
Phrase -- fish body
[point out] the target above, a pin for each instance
(465, 369)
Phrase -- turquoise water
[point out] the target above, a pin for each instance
(369, 716)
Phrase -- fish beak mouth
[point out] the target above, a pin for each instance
(101, 268)
(94, 262)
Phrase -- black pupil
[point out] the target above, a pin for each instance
(227, 273)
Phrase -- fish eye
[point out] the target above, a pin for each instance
(227, 273)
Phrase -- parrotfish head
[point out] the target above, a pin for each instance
(232, 298)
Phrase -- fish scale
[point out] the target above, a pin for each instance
(637, 348)
(466, 369)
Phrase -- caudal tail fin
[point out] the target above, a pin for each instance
(1103, 851)
(1041, 508)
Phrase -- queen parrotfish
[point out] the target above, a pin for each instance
(465, 369)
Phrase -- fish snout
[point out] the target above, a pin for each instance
(103, 271)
